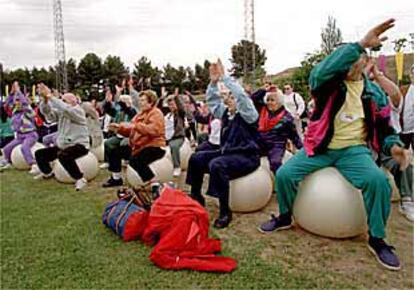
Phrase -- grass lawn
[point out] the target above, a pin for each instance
(53, 237)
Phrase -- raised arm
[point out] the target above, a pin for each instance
(75, 113)
(245, 106)
(214, 101)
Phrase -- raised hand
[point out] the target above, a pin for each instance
(214, 72)
(373, 37)
(402, 156)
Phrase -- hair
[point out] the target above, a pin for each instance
(151, 96)
(277, 94)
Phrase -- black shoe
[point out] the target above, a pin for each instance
(111, 182)
(384, 253)
(223, 221)
(155, 190)
(276, 224)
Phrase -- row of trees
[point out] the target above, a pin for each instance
(91, 73)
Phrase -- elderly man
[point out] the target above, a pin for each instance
(73, 136)
(351, 116)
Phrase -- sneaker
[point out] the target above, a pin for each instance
(111, 182)
(384, 253)
(276, 224)
(104, 165)
(223, 221)
(5, 165)
(407, 209)
(125, 163)
(34, 170)
(177, 172)
(80, 183)
(43, 176)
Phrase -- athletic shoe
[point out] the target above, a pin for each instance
(80, 184)
(43, 176)
(177, 172)
(276, 224)
(384, 253)
(407, 208)
(125, 163)
(34, 170)
(104, 165)
(111, 182)
(5, 165)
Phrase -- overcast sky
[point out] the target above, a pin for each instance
(183, 32)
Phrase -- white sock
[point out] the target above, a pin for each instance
(116, 175)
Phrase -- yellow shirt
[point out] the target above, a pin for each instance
(349, 126)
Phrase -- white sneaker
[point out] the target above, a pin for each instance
(34, 170)
(43, 176)
(104, 165)
(125, 163)
(5, 165)
(80, 183)
(407, 210)
(177, 172)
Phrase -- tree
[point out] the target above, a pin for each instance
(174, 77)
(90, 74)
(72, 73)
(202, 75)
(89, 71)
(112, 69)
(144, 71)
(331, 36)
(241, 54)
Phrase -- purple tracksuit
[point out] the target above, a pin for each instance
(23, 124)
(273, 142)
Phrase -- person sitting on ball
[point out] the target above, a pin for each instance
(121, 111)
(146, 134)
(351, 115)
(175, 129)
(72, 140)
(239, 152)
(23, 124)
(276, 126)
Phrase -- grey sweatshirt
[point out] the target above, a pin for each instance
(72, 126)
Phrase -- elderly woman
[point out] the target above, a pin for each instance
(276, 126)
(72, 139)
(146, 133)
(23, 124)
(239, 152)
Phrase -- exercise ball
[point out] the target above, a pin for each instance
(99, 152)
(185, 154)
(328, 205)
(88, 165)
(251, 192)
(162, 168)
(17, 158)
(265, 164)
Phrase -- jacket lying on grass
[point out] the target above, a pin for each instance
(179, 227)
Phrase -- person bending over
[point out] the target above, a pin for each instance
(351, 115)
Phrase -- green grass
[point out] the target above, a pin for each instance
(52, 237)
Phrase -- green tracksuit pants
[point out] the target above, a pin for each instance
(356, 164)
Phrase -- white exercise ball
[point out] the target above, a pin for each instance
(162, 168)
(17, 158)
(88, 165)
(185, 154)
(99, 152)
(251, 192)
(328, 205)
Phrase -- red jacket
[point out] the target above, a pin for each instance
(180, 225)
